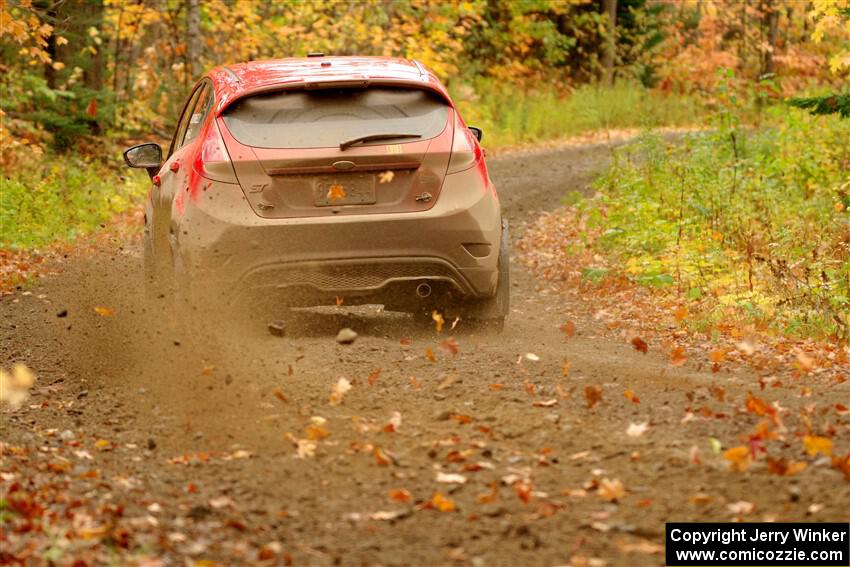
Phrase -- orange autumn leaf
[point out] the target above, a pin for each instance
(782, 467)
(842, 464)
(738, 457)
(336, 192)
(400, 495)
(640, 345)
(280, 396)
(718, 356)
(104, 311)
(565, 367)
(569, 329)
(429, 354)
(91, 108)
(442, 503)
(461, 419)
(489, 497)
(316, 432)
(759, 407)
(631, 397)
(523, 489)
(610, 490)
(815, 445)
(339, 301)
(530, 389)
(450, 344)
(415, 384)
(496, 387)
(381, 457)
(678, 356)
(681, 313)
(373, 376)
(592, 395)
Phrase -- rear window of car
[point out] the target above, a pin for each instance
(328, 117)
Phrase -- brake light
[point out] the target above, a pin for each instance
(465, 149)
(212, 160)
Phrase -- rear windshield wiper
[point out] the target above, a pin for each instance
(375, 137)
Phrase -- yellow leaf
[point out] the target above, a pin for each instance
(438, 320)
(104, 311)
(815, 445)
(738, 457)
(611, 490)
(442, 503)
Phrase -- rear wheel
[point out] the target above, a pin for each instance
(491, 312)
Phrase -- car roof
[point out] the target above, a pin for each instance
(232, 82)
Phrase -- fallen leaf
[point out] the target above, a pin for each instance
(496, 386)
(373, 376)
(783, 467)
(386, 176)
(489, 497)
(631, 397)
(442, 503)
(305, 448)
(394, 423)
(104, 311)
(429, 354)
(316, 432)
(400, 495)
(449, 478)
(738, 457)
(280, 396)
(637, 429)
(640, 345)
(565, 367)
(610, 490)
(592, 395)
(815, 445)
(338, 391)
(530, 388)
(741, 507)
(450, 344)
(447, 382)
(381, 457)
(415, 384)
(339, 301)
(523, 489)
(681, 313)
(643, 546)
(532, 357)
(843, 465)
(545, 403)
(569, 329)
(678, 356)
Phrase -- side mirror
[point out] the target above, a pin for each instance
(477, 132)
(147, 156)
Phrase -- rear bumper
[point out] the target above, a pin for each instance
(224, 248)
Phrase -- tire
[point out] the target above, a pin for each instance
(491, 312)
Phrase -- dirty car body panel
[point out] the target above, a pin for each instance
(302, 181)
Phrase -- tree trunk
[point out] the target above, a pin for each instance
(93, 74)
(193, 37)
(771, 22)
(610, 7)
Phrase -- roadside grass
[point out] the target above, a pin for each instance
(510, 116)
(54, 198)
(747, 228)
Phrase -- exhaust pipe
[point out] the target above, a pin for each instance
(423, 291)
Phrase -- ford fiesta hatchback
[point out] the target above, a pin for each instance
(319, 180)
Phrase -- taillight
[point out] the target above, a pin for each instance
(465, 149)
(212, 160)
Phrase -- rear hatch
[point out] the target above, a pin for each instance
(339, 151)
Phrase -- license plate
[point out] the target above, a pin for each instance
(347, 190)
